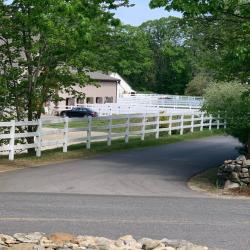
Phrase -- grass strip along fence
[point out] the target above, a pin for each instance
(62, 132)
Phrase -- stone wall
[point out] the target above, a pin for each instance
(63, 241)
(234, 173)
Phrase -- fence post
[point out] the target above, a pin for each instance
(127, 129)
(109, 131)
(210, 122)
(65, 134)
(218, 122)
(12, 141)
(170, 124)
(88, 145)
(182, 124)
(143, 127)
(192, 123)
(157, 126)
(225, 124)
(202, 122)
(39, 138)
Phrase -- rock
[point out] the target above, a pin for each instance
(193, 247)
(45, 242)
(237, 168)
(85, 241)
(149, 244)
(243, 175)
(244, 170)
(2, 247)
(7, 239)
(234, 177)
(229, 184)
(247, 163)
(174, 243)
(22, 246)
(37, 247)
(29, 238)
(128, 241)
(104, 243)
(61, 241)
(241, 158)
(246, 180)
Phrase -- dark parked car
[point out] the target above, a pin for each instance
(78, 112)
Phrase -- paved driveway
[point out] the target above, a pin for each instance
(141, 192)
(158, 171)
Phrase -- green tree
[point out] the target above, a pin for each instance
(171, 65)
(44, 47)
(232, 102)
(220, 30)
(197, 86)
(134, 58)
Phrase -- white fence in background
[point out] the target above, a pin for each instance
(169, 101)
(142, 103)
(112, 127)
(119, 109)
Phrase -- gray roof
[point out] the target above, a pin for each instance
(97, 75)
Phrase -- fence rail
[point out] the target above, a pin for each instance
(108, 109)
(105, 128)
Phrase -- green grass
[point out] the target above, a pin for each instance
(205, 181)
(95, 122)
(80, 151)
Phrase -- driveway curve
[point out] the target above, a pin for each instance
(155, 171)
(141, 192)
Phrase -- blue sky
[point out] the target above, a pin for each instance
(141, 13)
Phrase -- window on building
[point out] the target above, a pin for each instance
(98, 100)
(70, 101)
(108, 99)
(80, 101)
(90, 100)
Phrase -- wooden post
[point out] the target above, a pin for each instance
(127, 129)
(182, 124)
(65, 134)
(143, 127)
(88, 145)
(170, 125)
(109, 139)
(157, 126)
(12, 141)
(39, 138)
(202, 122)
(192, 123)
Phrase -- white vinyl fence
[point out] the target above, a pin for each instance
(141, 103)
(59, 132)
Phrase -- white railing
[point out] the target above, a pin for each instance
(130, 108)
(106, 128)
(171, 101)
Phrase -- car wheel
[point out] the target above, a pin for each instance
(63, 114)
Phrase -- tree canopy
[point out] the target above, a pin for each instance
(45, 46)
(221, 29)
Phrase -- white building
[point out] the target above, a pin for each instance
(123, 87)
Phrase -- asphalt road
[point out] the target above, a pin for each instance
(141, 192)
